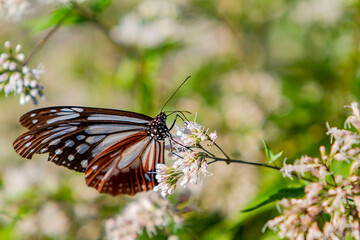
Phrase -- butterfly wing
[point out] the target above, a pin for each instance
(126, 167)
(74, 136)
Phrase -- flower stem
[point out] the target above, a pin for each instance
(216, 159)
(200, 146)
(242, 161)
(227, 156)
(46, 37)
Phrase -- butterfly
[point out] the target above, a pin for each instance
(118, 150)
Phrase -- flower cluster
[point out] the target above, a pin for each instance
(189, 164)
(192, 134)
(149, 213)
(320, 11)
(153, 24)
(13, 10)
(331, 197)
(17, 78)
(61, 1)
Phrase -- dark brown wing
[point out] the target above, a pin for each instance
(74, 136)
(65, 114)
(126, 167)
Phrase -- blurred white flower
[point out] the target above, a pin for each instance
(321, 11)
(339, 197)
(17, 78)
(61, 1)
(149, 212)
(13, 10)
(20, 179)
(353, 119)
(152, 25)
(53, 221)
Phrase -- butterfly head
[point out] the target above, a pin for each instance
(158, 128)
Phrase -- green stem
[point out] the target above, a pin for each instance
(216, 159)
(243, 162)
(104, 29)
(45, 38)
(200, 146)
(227, 156)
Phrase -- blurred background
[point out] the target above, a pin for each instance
(274, 69)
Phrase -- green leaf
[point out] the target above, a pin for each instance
(270, 154)
(282, 193)
(99, 5)
(65, 15)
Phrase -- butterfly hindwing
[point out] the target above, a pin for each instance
(127, 167)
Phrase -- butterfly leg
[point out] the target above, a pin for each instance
(173, 124)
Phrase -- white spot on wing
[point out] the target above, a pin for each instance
(131, 153)
(82, 148)
(84, 163)
(59, 134)
(112, 128)
(109, 140)
(28, 144)
(33, 115)
(35, 121)
(54, 142)
(58, 151)
(77, 109)
(94, 139)
(66, 110)
(80, 137)
(149, 156)
(43, 150)
(109, 117)
(27, 137)
(71, 157)
(69, 143)
(62, 118)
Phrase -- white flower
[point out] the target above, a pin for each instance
(149, 27)
(354, 119)
(321, 11)
(193, 166)
(149, 213)
(19, 79)
(60, 227)
(13, 10)
(167, 178)
(192, 134)
(213, 136)
(190, 166)
(286, 169)
(61, 1)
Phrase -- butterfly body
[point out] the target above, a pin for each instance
(117, 150)
(158, 128)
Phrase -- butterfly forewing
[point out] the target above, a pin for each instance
(81, 138)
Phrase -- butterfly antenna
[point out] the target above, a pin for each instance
(175, 93)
